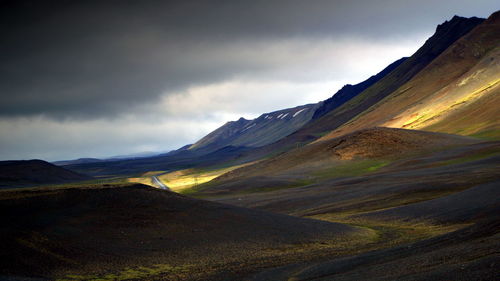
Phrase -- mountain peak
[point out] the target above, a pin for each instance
(451, 24)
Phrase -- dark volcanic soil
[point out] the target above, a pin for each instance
(47, 233)
(468, 254)
(456, 186)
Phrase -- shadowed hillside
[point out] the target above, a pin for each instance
(35, 172)
(137, 231)
(350, 91)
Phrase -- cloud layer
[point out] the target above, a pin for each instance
(130, 76)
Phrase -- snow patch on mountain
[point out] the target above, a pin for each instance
(251, 126)
(298, 112)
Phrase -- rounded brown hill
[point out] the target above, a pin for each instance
(378, 142)
(54, 232)
(382, 142)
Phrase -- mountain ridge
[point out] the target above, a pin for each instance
(267, 128)
(444, 36)
(446, 90)
(349, 91)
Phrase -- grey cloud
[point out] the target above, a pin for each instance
(91, 59)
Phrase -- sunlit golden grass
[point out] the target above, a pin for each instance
(143, 180)
(146, 178)
(434, 112)
(181, 180)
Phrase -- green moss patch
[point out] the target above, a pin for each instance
(351, 169)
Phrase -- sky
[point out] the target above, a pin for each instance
(106, 78)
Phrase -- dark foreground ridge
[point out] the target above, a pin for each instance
(50, 233)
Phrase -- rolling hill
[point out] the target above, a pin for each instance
(375, 146)
(35, 172)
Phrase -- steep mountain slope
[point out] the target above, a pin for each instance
(135, 231)
(446, 34)
(267, 128)
(31, 172)
(349, 91)
(457, 93)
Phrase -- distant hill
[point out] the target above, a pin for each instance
(33, 172)
(76, 161)
(113, 158)
(266, 129)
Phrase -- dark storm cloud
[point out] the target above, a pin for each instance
(97, 58)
